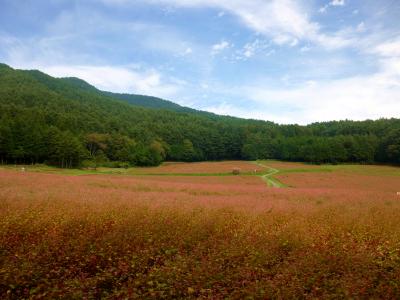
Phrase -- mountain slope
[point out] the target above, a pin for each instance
(65, 84)
(35, 106)
(67, 121)
(148, 101)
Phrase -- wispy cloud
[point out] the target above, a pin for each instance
(219, 47)
(389, 48)
(337, 2)
(324, 8)
(286, 21)
(277, 60)
(120, 79)
(256, 47)
(52, 56)
(356, 98)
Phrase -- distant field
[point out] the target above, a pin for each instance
(224, 167)
(330, 232)
(168, 168)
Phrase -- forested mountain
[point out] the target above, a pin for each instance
(148, 101)
(63, 85)
(68, 122)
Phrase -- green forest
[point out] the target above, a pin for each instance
(68, 123)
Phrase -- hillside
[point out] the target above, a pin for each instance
(63, 85)
(68, 84)
(68, 122)
(150, 102)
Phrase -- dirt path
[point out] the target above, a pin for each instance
(272, 182)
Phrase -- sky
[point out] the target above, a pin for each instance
(287, 61)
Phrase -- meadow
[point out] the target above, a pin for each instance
(196, 231)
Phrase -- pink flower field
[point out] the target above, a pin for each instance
(201, 168)
(327, 235)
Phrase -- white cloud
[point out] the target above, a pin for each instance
(357, 97)
(360, 97)
(388, 48)
(286, 22)
(274, 18)
(117, 79)
(57, 53)
(360, 27)
(324, 8)
(285, 40)
(168, 11)
(222, 109)
(305, 49)
(338, 100)
(301, 98)
(228, 109)
(149, 35)
(251, 49)
(187, 51)
(337, 3)
(219, 47)
(221, 14)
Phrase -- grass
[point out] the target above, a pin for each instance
(54, 170)
(374, 170)
(274, 182)
(316, 170)
(166, 169)
(332, 235)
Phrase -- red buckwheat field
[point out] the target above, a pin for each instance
(199, 149)
(329, 230)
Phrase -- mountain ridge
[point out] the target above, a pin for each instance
(66, 122)
(133, 99)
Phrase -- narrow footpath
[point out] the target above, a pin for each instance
(268, 178)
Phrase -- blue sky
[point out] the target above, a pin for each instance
(286, 61)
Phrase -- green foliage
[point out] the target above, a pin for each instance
(184, 152)
(144, 155)
(66, 121)
(65, 150)
(391, 146)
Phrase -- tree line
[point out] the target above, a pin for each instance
(69, 123)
